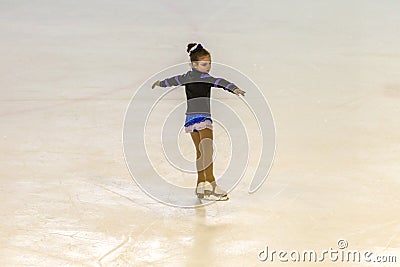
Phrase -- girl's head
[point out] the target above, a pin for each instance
(199, 57)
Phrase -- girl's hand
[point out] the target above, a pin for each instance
(237, 91)
(157, 83)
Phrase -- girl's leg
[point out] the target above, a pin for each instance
(199, 159)
(206, 149)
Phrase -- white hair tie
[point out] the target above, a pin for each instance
(195, 48)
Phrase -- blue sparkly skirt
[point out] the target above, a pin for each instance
(195, 122)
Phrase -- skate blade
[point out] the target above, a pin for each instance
(215, 198)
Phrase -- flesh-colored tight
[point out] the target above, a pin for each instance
(203, 141)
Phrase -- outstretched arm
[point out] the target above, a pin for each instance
(222, 83)
(177, 80)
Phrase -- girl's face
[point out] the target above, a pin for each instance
(203, 65)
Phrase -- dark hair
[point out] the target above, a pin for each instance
(198, 53)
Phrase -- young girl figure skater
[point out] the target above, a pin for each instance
(198, 123)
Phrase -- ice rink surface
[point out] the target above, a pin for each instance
(330, 71)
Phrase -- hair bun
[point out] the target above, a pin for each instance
(190, 46)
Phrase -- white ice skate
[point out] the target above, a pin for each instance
(205, 190)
